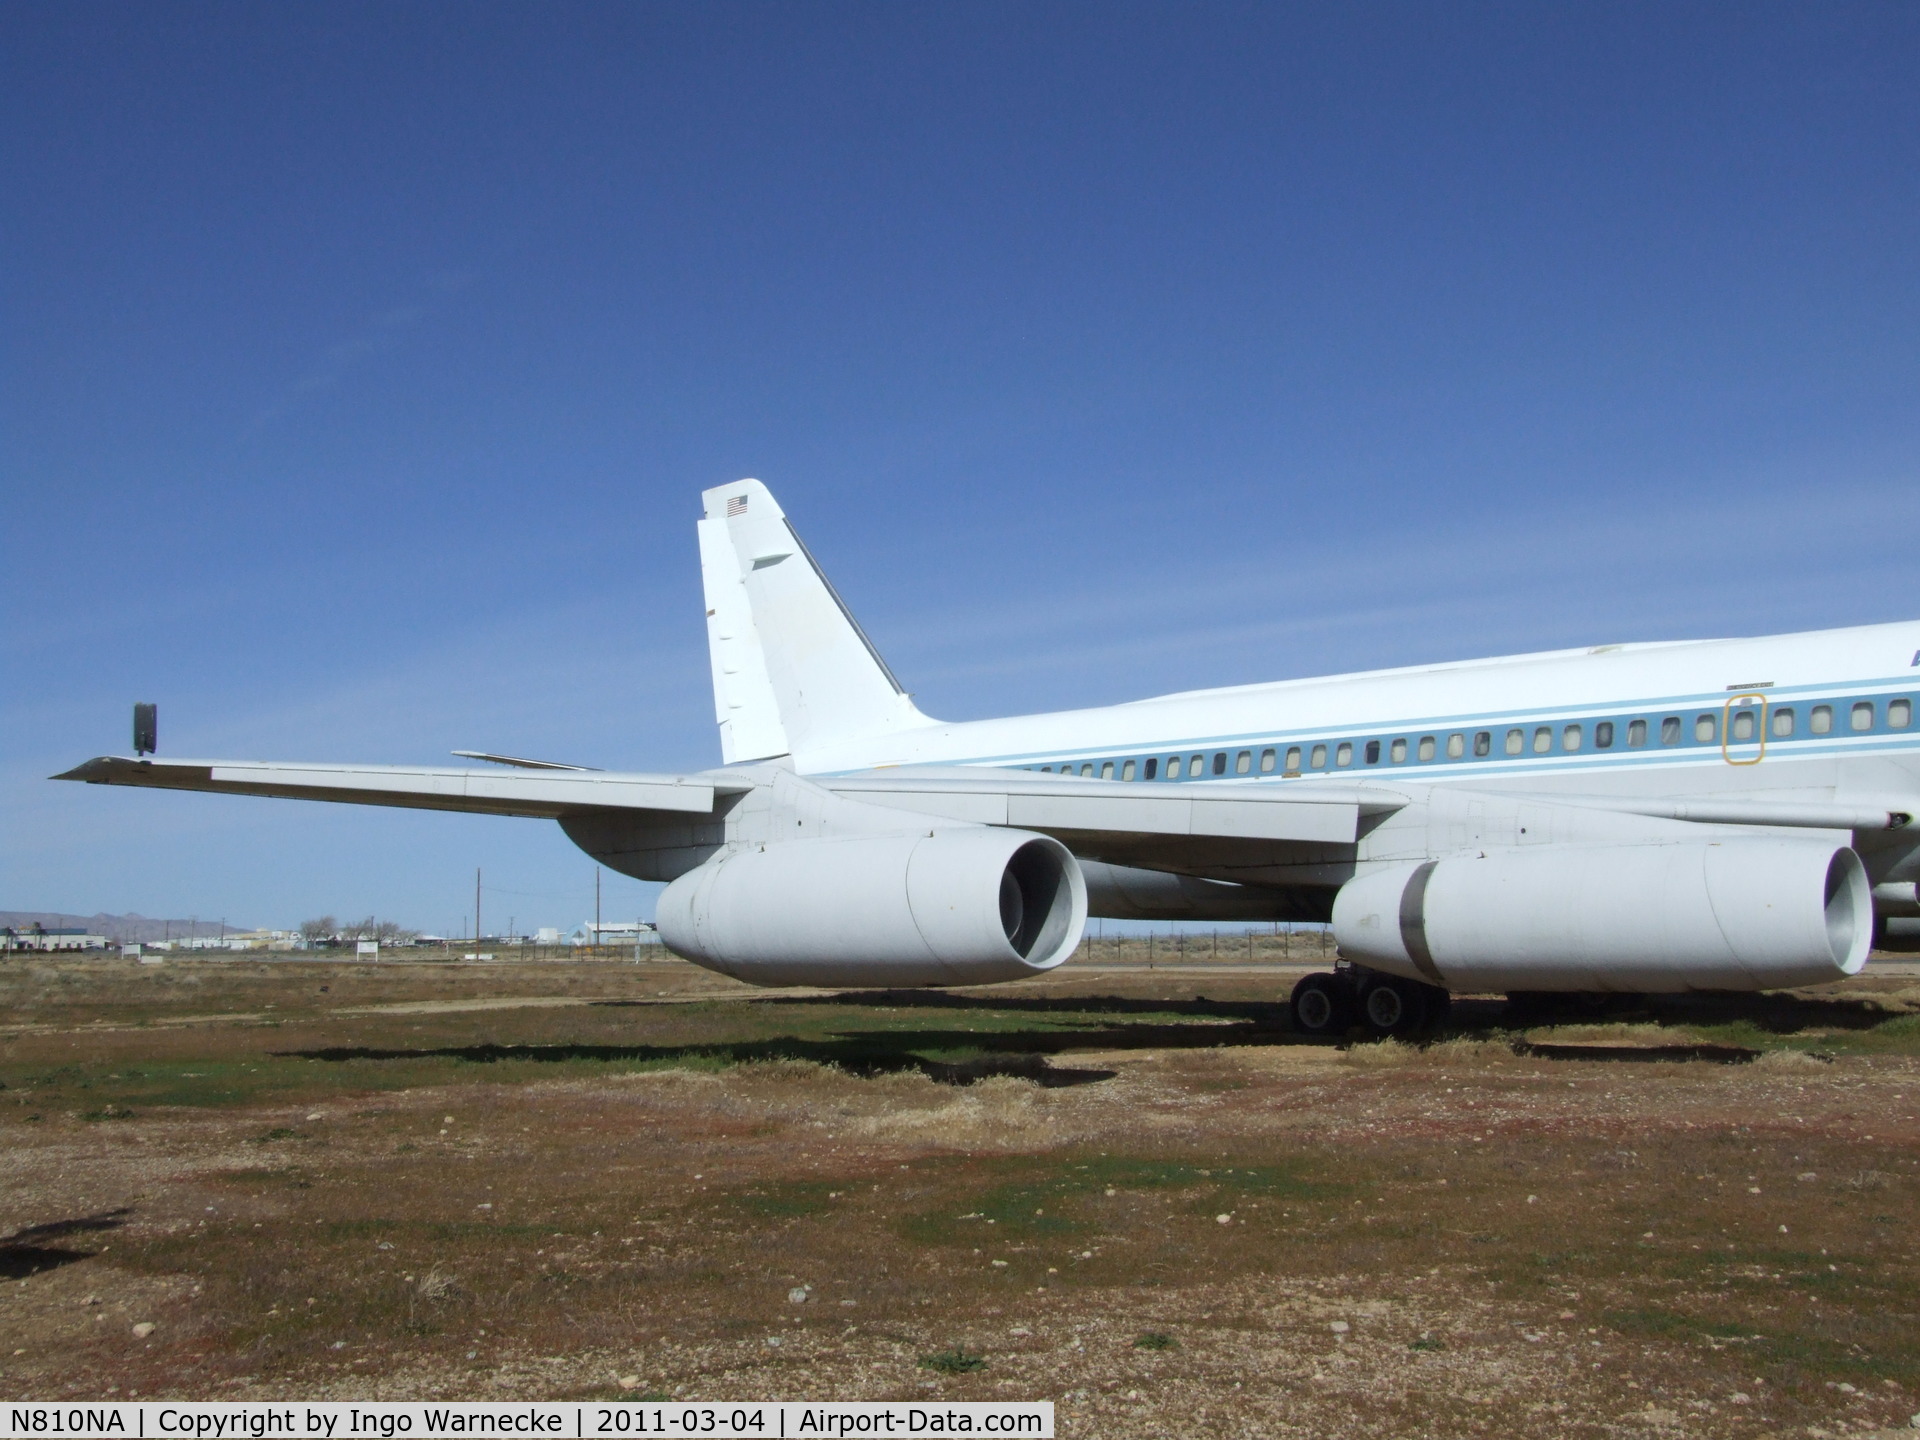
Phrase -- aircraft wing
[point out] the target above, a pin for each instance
(539, 794)
(1070, 806)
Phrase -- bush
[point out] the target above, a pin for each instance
(952, 1362)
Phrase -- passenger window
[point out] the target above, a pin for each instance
(1862, 718)
(1106, 771)
(1152, 767)
(1542, 739)
(1483, 742)
(1243, 762)
(1570, 738)
(1516, 741)
(1086, 770)
(1126, 771)
(1344, 755)
(1670, 730)
(1705, 728)
(1373, 752)
(1220, 763)
(1426, 747)
(1266, 763)
(1783, 722)
(1742, 727)
(1603, 735)
(1456, 745)
(1293, 761)
(1173, 767)
(1821, 720)
(1636, 732)
(1318, 760)
(1398, 750)
(1899, 714)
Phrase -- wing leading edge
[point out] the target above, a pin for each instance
(544, 794)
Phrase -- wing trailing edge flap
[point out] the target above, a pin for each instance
(1878, 814)
(1323, 814)
(544, 794)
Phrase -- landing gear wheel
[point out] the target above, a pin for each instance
(1322, 1005)
(1392, 1006)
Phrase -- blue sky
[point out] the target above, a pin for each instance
(363, 364)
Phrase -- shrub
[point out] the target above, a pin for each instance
(952, 1362)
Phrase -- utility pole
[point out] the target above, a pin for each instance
(476, 904)
(596, 908)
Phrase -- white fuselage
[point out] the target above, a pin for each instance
(1826, 715)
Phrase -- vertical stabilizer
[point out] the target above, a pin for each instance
(792, 670)
(743, 700)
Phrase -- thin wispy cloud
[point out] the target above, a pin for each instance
(383, 331)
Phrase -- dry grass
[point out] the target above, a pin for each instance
(1575, 1237)
(1790, 1060)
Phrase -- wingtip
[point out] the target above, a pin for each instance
(93, 769)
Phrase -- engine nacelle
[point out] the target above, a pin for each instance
(1734, 914)
(952, 907)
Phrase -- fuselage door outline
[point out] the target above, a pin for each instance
(1744, 711)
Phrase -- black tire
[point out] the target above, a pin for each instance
(1322, 1004)
(1392, 1006)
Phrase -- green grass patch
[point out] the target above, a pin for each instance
(1648, 1323)
(952, 1362)
(786, 1200)
(1041, 1198)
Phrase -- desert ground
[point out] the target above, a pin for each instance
(1126, 1189)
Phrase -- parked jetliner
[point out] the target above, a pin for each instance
(1707, 815)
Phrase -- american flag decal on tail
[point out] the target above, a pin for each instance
(736, 505)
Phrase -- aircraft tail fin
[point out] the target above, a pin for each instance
(792, 669)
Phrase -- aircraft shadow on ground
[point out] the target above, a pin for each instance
(1027, 1055)
(1638, 1054)
(1204, 1025)
(23, 1253)
(1776, 1013)
(1779, 1013)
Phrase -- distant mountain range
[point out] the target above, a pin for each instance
(117, 927)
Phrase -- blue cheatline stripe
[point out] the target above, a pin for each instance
(1882, 738)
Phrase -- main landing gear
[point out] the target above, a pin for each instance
(1332, 1004)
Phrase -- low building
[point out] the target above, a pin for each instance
(615, 932)
(261, 940)
(39, 937)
